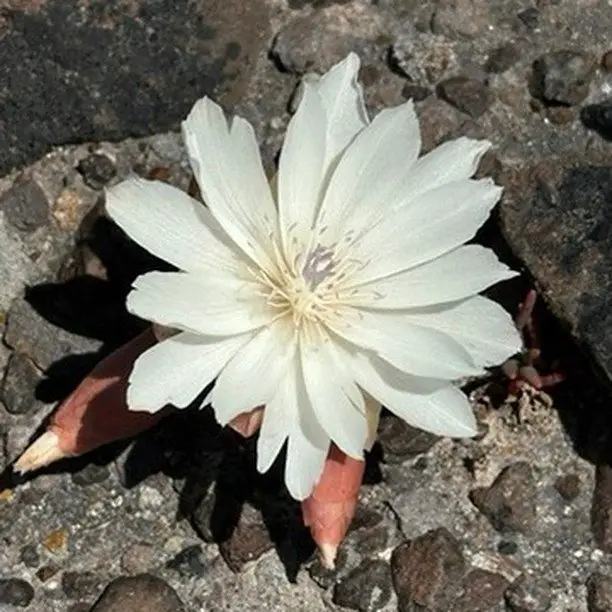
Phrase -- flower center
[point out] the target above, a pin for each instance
(303, 289)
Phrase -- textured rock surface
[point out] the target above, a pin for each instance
(74, 71)
(183, 502)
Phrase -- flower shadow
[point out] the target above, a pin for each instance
(212, 468)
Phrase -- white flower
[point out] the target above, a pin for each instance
(350, 282)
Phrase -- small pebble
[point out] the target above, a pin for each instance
(97, 170)
(90, 474)
(29, 555)
(16, 592)
(568, 486)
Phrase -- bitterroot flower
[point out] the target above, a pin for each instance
(346, 283)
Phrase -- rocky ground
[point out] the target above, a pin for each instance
(519, 519)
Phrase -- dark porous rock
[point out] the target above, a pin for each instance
(598, 117)
(19, 384)
(90, 474)
(438, 120)
(502, 58)
(528, 595)
(461, 18)
(16, 592)
(563, 77)
(599, 592)
(530, 17)
(482, 592)
(367, 588)
(189, 562)
(315, 42)
(606, 61)
(97, 170)
(248, 541)
(470, 96)
(400, 441)
(556, 215)
(74, 71)
(413, 91)
(507, 547)
(44, 343)
(25, 205)
(601, 509)
(81, 585)
(428, 572)
(568, 486)
(142, 592)
(29, 555)
(509, 503)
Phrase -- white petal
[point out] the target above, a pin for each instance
(336, 401)
(176, 370)
(368, 178)
(342, 97)
(213, 305)
(423, 403)
(250, 379)
(292, 416)
(170, 224)
(228, 169)
(420, 351)
(454, 160)
(483, 327)
(437, 222)
(457, 275)
(301, 170)
(279, 416)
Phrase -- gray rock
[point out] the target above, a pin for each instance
(509, 503)
(563, 77)
(428, 572)
(16, 592)
(461, 18)
(470, 96)
(367, 588)
(599, 592)
(423, 58)
(16, 267)
(502, 58)
(19, 385)
(25, 205)
(97, 170)
(74, 71)
(190, 562)
(482, 592)
(598, 117)
(81, 585)
(528, 595)
(43, 342)
(138, 558)
(142, 592)
(313, 43)
(400, 441)
(555, 214)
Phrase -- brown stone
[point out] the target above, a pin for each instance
(428, 571)
(509, 503)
